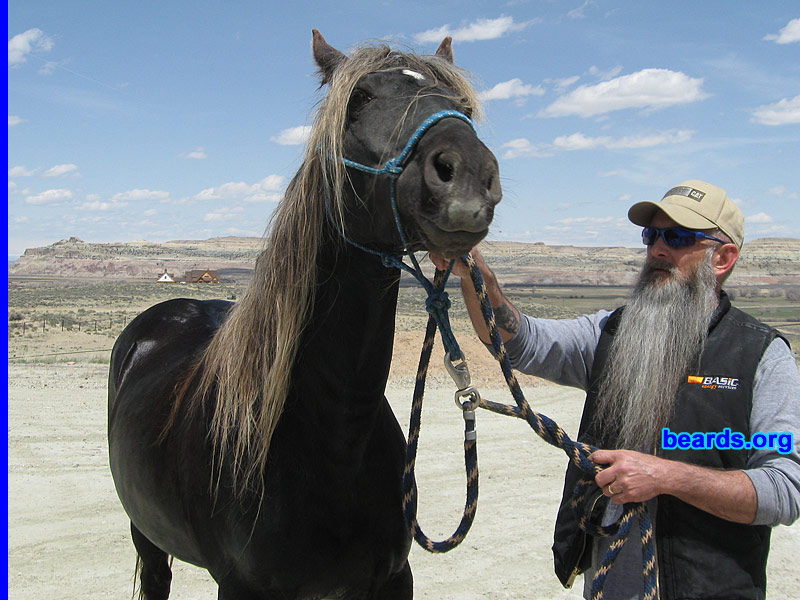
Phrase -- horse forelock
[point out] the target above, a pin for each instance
(245, 369)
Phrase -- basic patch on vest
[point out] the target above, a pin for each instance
(713, 383)
(683, 190)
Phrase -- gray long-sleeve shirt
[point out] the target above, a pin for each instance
(562, 351)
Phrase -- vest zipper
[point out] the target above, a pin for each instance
(576, 570)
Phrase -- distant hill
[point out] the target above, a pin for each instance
(767, 261)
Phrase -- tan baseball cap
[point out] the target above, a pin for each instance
(694, 204)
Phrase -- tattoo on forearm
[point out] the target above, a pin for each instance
(506, 319)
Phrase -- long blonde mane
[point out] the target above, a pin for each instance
(248, 363)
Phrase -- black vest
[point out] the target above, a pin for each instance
(699, 555)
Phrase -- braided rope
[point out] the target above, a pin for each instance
(578, 453)
(470, 449)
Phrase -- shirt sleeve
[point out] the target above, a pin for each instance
(560, 350)
(775, 472)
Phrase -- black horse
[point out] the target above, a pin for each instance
(254, 440)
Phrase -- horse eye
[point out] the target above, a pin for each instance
(466, 107)
(357, 101)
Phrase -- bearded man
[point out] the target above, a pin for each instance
(678, 358)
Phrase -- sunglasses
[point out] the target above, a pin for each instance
(675, 237)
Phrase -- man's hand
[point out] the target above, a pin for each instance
(633, 476)
(636, 477)
(459, 268)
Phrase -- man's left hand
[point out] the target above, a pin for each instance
(630, 477)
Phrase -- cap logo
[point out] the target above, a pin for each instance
(689, 192)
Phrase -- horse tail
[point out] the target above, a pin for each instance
(137, 593)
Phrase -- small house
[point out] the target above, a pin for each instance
(166, 278)
(199, 276)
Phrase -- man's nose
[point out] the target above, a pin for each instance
(659, 247)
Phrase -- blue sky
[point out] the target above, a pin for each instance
(184, 120)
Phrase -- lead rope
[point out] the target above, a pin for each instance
(468, 399)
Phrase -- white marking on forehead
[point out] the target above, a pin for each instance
(413, 74)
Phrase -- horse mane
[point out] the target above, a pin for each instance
(248, 363)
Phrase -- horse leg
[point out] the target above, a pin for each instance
(399, 587)
(153, 564)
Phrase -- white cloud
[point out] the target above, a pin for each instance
(268, 189)
(565, 82)
(271, 183)
(198, 153)
(649, 89)
(20, 172)
(14, 120)
(514, 88)
(781, 191)
(49, 197)
(150, 212)
(759, 218)
(48, 68)
(62, 171)
(578, 141)
(223, 214)
(783, 112)
(605, 75)
(273, 197)
(99, 205)
(137, 195)
(22, 44)
(587, 220)
(294, 136)
(519, 147)
(579, 13)
(788, 35)
(481, 29)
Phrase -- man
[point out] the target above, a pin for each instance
(676, 359)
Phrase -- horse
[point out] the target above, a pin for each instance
(254, 439)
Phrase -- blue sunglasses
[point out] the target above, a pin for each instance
(675, 237)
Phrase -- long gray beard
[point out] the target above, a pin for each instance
(659, 339)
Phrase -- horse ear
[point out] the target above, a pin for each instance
(445, 49)
(326, 56)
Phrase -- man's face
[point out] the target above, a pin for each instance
(660, 257)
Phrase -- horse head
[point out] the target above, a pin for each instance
(447, 183)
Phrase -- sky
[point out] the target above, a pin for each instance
(164, 120)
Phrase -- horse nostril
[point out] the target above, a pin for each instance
(444, 168)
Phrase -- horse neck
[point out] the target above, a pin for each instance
(346, 350)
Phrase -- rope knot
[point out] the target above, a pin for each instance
(437, 302)
(393, 166)
(390, 260)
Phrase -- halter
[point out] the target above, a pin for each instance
(437, 302)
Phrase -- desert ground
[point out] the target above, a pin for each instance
(68, 535)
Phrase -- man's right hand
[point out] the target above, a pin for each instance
(459, 268)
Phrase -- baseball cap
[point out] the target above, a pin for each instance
(694, 204)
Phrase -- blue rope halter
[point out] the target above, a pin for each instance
(437, 302)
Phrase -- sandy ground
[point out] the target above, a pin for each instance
(68, 536)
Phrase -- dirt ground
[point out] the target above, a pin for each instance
(68, 535)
